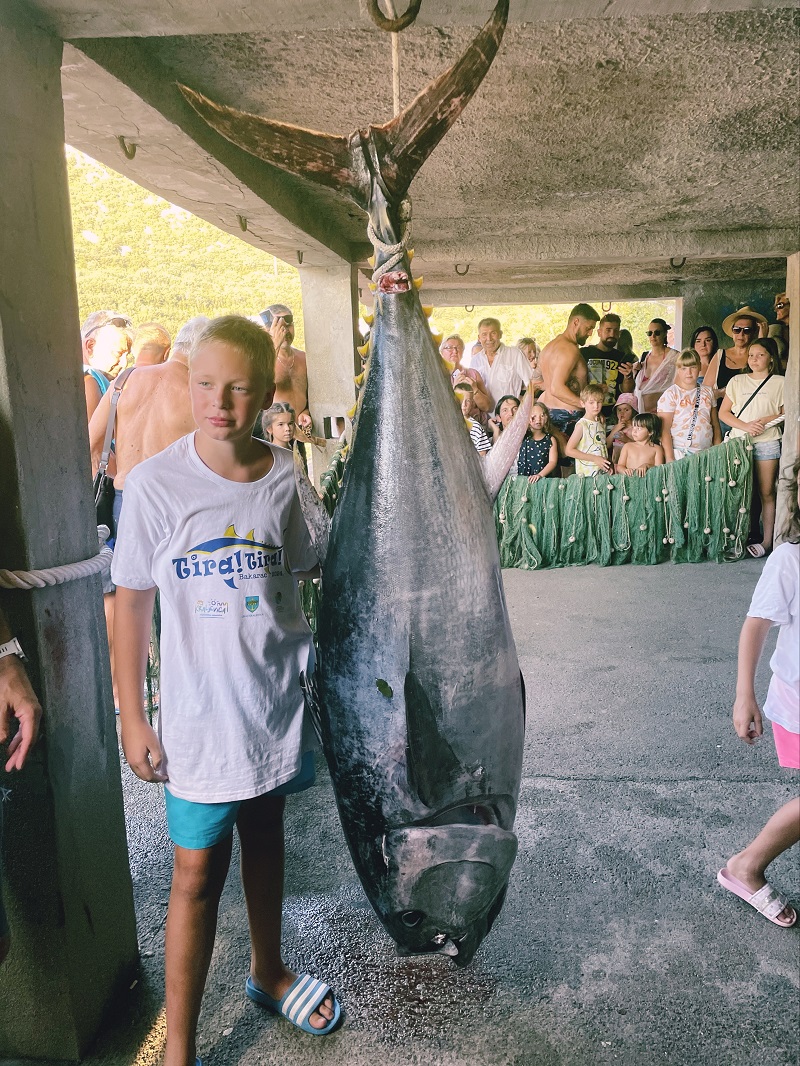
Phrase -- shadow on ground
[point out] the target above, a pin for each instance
(615, 944)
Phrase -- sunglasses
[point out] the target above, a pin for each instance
(745, 329)
(780, 306)
(119, 322)
(655, 332)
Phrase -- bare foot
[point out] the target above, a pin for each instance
(278, 984)
(753, 878)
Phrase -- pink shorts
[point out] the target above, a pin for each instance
(787, 745)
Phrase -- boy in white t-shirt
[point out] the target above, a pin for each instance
(688, 411)
(214, 523)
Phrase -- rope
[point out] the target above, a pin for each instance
(395, 252)
(57, 575)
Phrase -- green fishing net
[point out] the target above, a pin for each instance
(689, 511)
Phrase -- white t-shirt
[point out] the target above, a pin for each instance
(233, 636)
(509, 373)
(777, 597)
(769, 399)
(681, 403)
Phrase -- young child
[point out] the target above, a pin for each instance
(587, 445)
(620, 434)
(751, 401)
(645, 451)
(688, 411)
(776, 602)
(538, 454)
(278, 423)
(214, 523)
(464, 394)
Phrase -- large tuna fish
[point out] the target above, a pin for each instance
(421, 696)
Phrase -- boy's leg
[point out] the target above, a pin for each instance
(260, 825)
(779, 834)
(197, 881)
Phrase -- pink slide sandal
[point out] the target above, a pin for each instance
(766, 900)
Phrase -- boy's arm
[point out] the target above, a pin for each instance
(746, 712)
(586, 457)
(133, 615)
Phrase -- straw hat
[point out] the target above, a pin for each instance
(743, 312)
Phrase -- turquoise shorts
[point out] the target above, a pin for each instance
(201, 825)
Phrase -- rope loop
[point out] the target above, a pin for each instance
(58, 575)
(395, 252)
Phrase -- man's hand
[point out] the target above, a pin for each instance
(279, 332)
(626, 369)
(304, 423)
(17, 700)
(143, 751)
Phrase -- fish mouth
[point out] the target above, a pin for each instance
(483, 810)
(394, 281)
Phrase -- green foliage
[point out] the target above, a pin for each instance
(137, 254)
(141, 255)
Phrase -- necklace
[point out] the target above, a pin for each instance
(283, 359)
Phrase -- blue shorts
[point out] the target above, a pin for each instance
(566, 421)
(201, 825)
(768, 449)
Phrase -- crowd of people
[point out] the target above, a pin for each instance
(601, 409)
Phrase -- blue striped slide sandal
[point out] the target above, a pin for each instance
(299, 1003)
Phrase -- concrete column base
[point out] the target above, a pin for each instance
(791, 394)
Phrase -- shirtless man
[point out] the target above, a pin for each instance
(564, 370)
(291, 371)
(151, 344)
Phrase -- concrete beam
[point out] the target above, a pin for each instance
(330, 321)
(152, 18)
(65, 865)
(112, 89)
(791, 395)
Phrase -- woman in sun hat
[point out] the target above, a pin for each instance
(743, 326)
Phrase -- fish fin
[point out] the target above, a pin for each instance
(230, 532)
(498, 462)
(316, 516)
(410, 138)
(322, 157)
(403, 144)
(432, 763)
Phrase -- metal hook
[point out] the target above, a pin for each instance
(128, 150)
(674, 265)
(242, 223)
(461, 273)
(393, 25)
(300, 257)
(606, 309)
(469, 308)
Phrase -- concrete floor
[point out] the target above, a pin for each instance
(615, 944)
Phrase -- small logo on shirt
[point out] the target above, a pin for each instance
(251, 603)
(213, 608)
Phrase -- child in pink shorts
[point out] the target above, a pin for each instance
(776, 601)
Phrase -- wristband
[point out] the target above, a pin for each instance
(12, 647)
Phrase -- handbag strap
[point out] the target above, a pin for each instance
(753, 395)
(119, 385)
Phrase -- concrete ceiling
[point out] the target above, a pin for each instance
(596, 149)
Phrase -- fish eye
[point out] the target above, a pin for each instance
(411, 919)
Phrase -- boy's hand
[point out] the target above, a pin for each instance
(604, 464)
(747, 718)
(143, 751)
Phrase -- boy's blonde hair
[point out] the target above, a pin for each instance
(593, 390)
(251, 340)
(688, 357)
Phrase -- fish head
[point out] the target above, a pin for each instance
(445, 886)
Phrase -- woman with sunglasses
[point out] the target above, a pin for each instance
(743, 326)
(657, 369)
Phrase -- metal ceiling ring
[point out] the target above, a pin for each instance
(128, 150)
(606, 309)
(462, 273)
(242, 223)
(469, 308)
(392, 25)
(675, 265)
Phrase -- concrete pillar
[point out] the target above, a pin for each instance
(791, 394)
(330, 318)
(66, 878)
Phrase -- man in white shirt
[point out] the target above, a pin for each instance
(505, 370)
